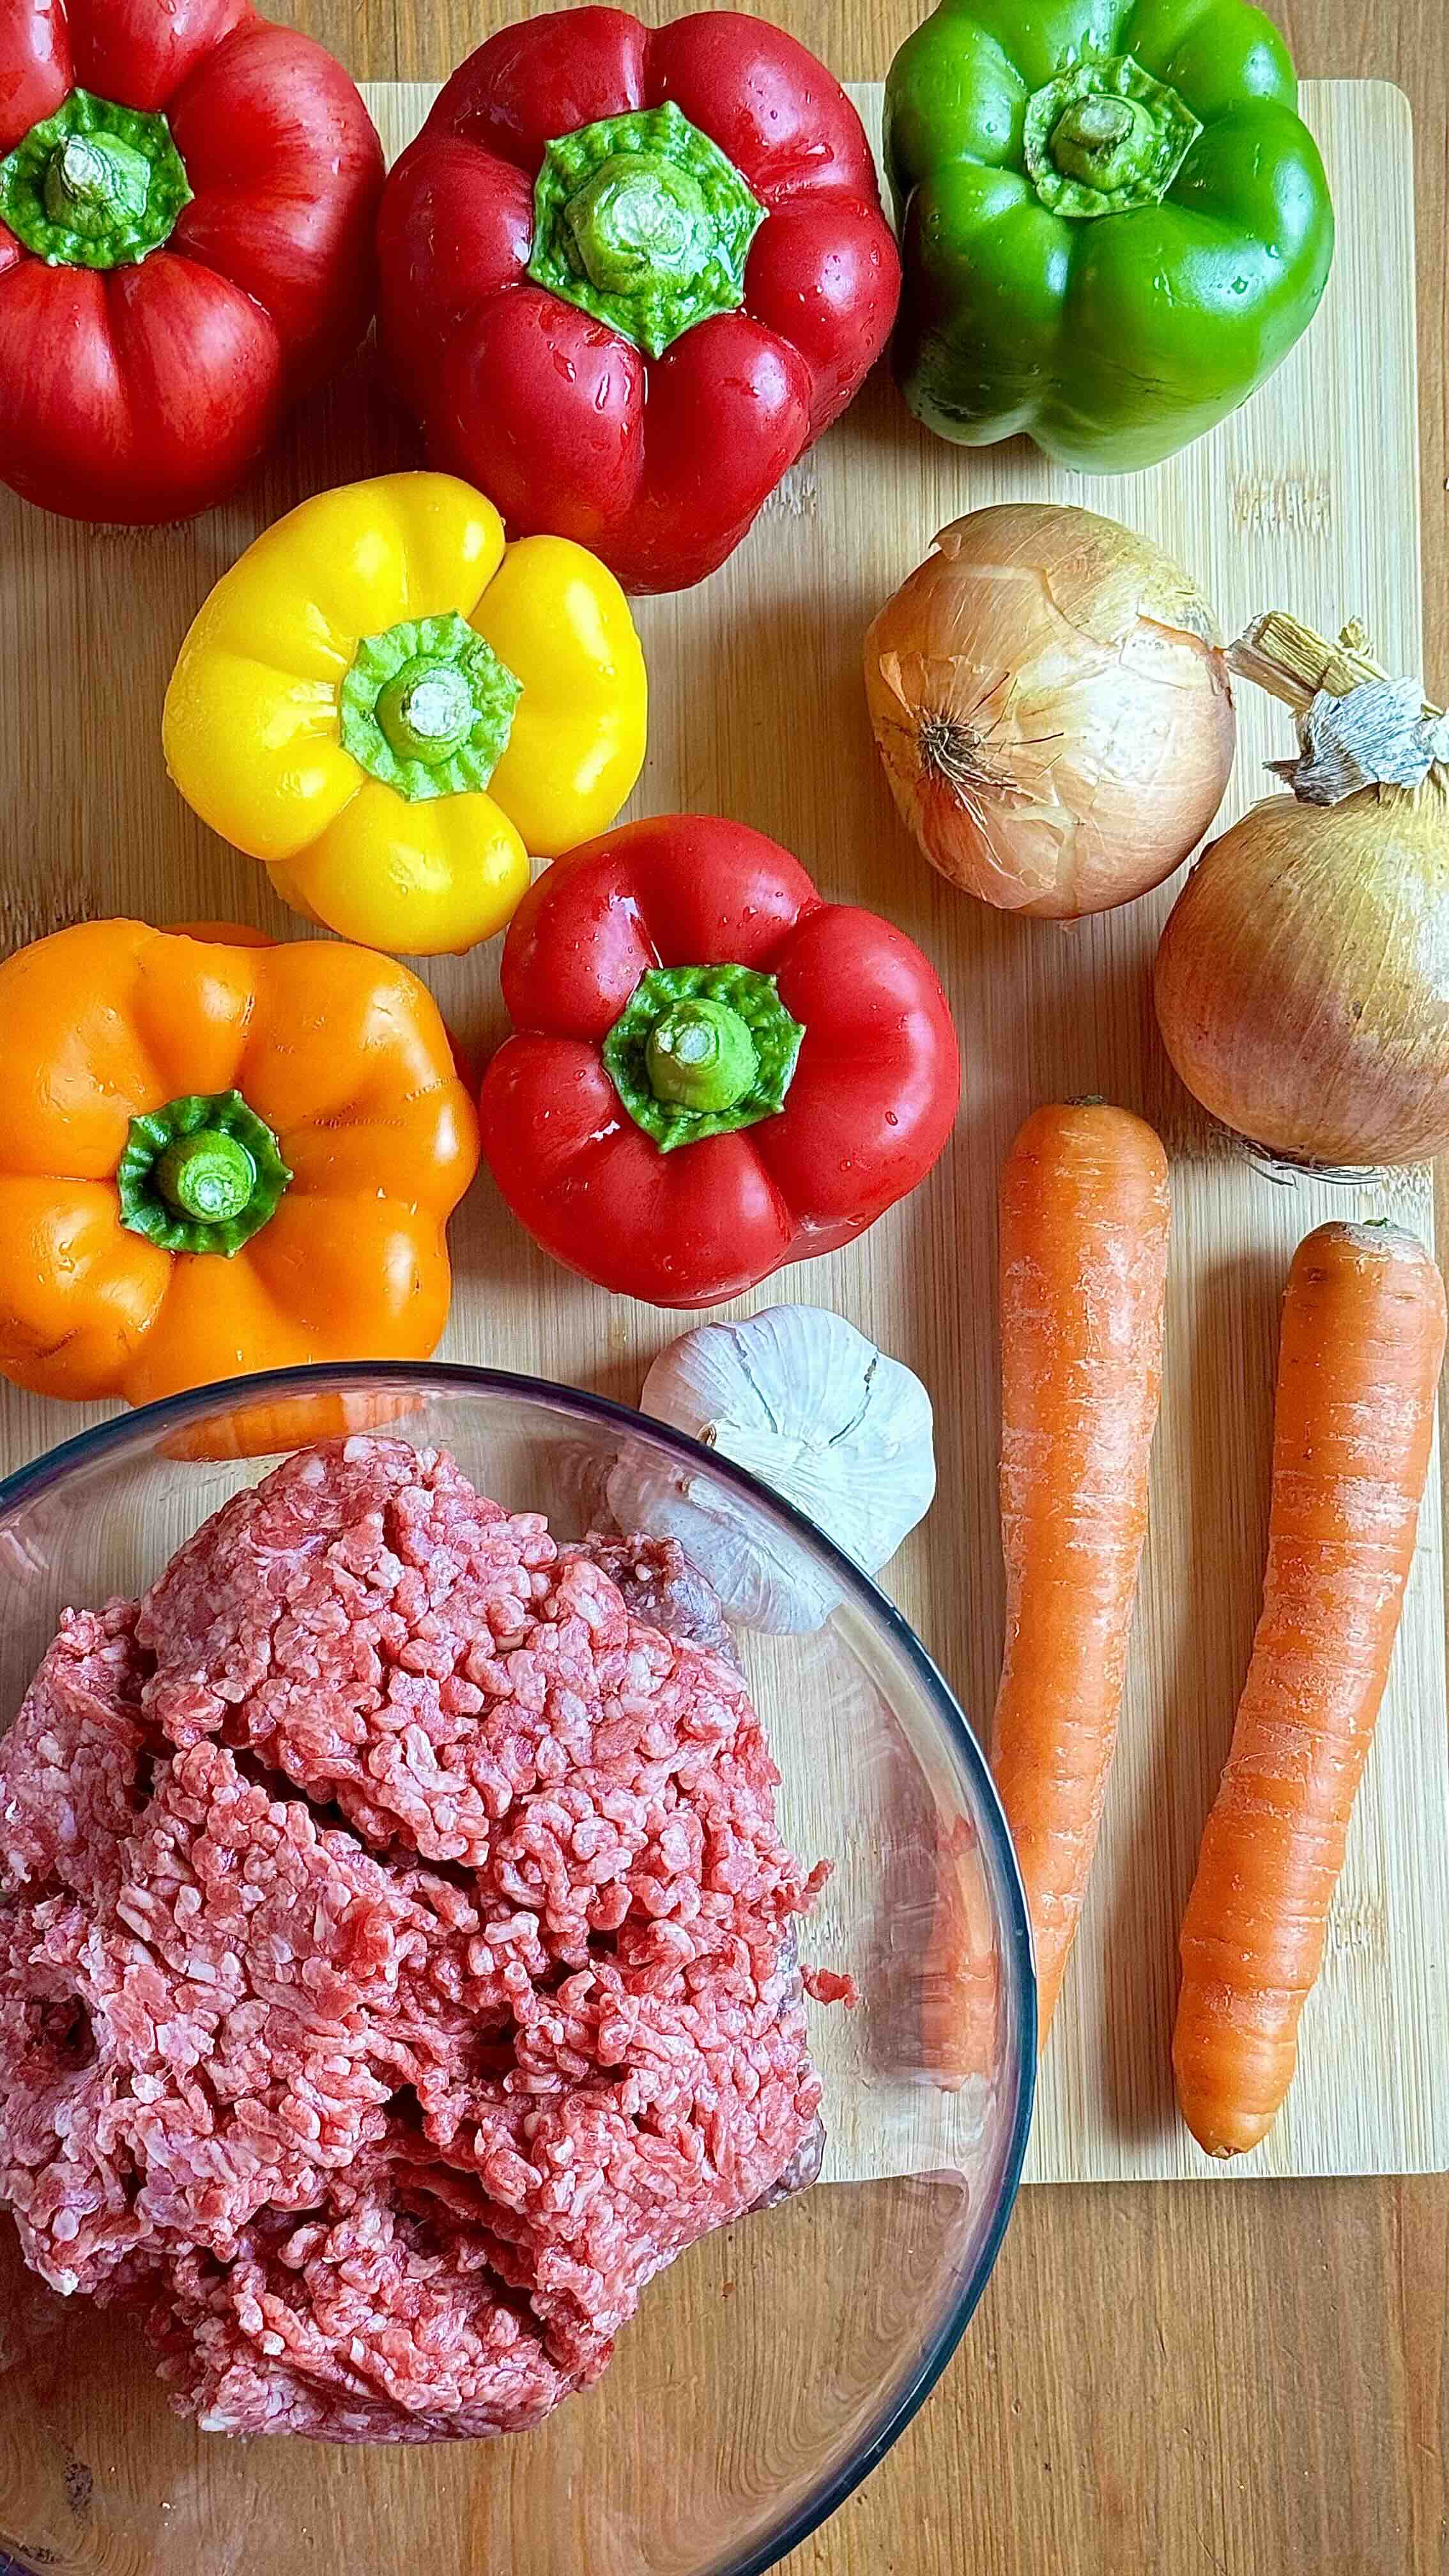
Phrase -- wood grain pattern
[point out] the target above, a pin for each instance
(1287, 500)
(1274, 506)
(1164, 2380)
(1273, 509)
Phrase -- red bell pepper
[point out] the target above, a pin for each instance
(187, 203)
(713, 1072)
(629, 276)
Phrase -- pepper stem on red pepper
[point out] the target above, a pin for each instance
(701, 1056)
(702, 1051)
(640, 218)
(643, 222)
(202, 1174)
(95, 185)
(1104, 137)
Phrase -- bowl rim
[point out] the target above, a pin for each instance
(54, 1464)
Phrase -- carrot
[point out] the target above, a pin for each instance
(1085, 1207)
(1362, 1342)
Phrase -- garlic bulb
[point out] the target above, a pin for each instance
(815, 1411)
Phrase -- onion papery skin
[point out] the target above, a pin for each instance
(1302, 983)
(1053, 709)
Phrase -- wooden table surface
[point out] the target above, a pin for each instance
(1248, 2378)
(1160, 2380)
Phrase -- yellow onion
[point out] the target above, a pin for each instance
(1053, 708)
(1302, 983)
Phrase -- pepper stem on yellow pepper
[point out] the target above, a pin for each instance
(427, 712)
(428, 707)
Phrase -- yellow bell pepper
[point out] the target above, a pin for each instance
(394, 710)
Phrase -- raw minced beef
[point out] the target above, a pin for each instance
(657, 1583)
(397, 1959)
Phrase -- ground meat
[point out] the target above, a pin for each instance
(657, 1582)
(788, 1990)
(69, 1764)
(397, 1954)
(802, 2170)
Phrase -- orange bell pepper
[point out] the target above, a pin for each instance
(219, 1158)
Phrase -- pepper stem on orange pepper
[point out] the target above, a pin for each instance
(202, 1174)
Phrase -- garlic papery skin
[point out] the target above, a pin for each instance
(812, 1409)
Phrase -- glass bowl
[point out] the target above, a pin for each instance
(770, 2367)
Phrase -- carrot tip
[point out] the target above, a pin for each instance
(1222, 2132)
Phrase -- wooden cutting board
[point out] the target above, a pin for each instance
(1308, 499)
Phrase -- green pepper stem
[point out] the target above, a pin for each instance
(702, 1051)
(639, 222)
(95, 185)
(701, 1056)
(1105, 142)
(642, 221)
(1104, 138)
(427, 707)
(202, 1174)
(1097, 124)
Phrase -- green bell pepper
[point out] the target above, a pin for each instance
(1114, 223)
